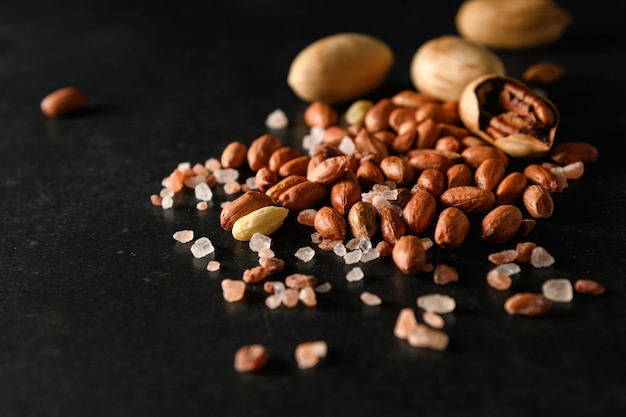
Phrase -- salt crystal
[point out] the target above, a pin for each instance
(427, 242)
(379, 188)
(183, 236)
(574, 170)
(509, 268)
(380, 202)
(192, 182)
(291, 297)
(406, 322)
(266, 253)
(167, 202)
(365, 244)
(213, 266)
(279, 288)
(166, 193)
(426, 337)
(352, 244)
(498, 280)
(370, 255)
(347, 146)
(307, 217)
(340, 249)
(328, 244)
(232, 187)
(273, 301)
(277, 119)
(324, 288)
(305, 253)
(316, 237)
(202, 247)
(183, 166)
(259, 241)
(233, 290)
(355, 274)
(251, 183)
(390, 194)
(212, 164)
(433, 319)
(445, 274)
(558, 289)
(370, 299)
(202, 205)
(225, 175)
(307, 296)
(353, 257)
(308, 354)
(439, 303)
(504, 256)
(540, 258)
(203, 192)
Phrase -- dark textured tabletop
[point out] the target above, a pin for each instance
(102, 313)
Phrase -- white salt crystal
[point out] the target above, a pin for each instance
(352, 244)
(353, 257)
(305, 253)
(540, 258)
(203, 192)
(347, 146)
(266, 253)
(183, 236)
(277, 120)
(355, 274)
(279, 288)
(559, 290)
(365, 244)
(370, 299)
(167, 202)
(202, 247)
(340, 249)
(225, 175)
(212, 164)
(509, 268)
(390, 194)
(370, 255)
(439, 303)
(380, 202)
(213, 266)
(273, 301)
(316, 237)
(323, 288)
(184, 166)
(166, 193)
(259, 241)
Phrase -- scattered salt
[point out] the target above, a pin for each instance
(540, 258)
(308, 354)
(347, 146)
(352, 244)
(183, 236)
(365, 244)
(232, 187)
(277, 119)
(203, 192)
(213, 266)
(445, 274)
(202, 205)
(558, 289)
(390, 194)
(427, 242)
(355, 274)
(167, 202)
(305, 253)
(340, 249)
(212, 164)
(316, 237)
(202, 247)
(504, 256)
(433, 319)
(251, 183)
(307, 296)
(426, 337)
(353, 257)
(370, 255)
(259, 241)
(266, 253)
(273, 301)
(233, 290)
(439, 303)
(166, 193)
(370, 299)
(498, 280)
(183, 166)
(226, 175)
(306, 217)
(509, 268)
(323, 288)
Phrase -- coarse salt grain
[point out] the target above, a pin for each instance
(370, 255)
(426, 337)
(406, 322)
(574, 170)
(306, 217)
(277, 119)
(291, 297)
(167, 202)
(202, 247)
(183, 166)
(340, 249)
(323, 288)
(370, 299)
(232, 187)
(156, 200)
(504, 256)
(251, 183)
(266, 253)
(355, 274)
(540, 258)
(353, 257)
(213, 266)
(226, 175)
(166, 193)
(259, 241)
(202, 205)
(316, 237)
(445, 274)
(433, 319)
(233, 290)
(307, 296)
(183, 236)
(203, 192)
(308, 354)
(305, 254)
(498, 280)
(347, 146)
(439, 303)
(273, 301)
(212, 164)
(558, 289)
(250, 358)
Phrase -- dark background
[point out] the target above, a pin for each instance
(102, 313)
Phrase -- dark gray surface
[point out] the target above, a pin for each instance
(102, 313)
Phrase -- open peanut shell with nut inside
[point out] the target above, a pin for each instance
(510, 115)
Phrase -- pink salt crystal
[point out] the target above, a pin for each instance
(299, 281)
(166, 193)
(250, 358)
(156, 200)
(272, 265)
(308, 354)
(406, 322)
(355, 274)
(183, 236)
(202, 205)
(589, 287)
(291, 297)
(232, 187)
(307, 296)
(199, 169)
(328, 244)
(498, 280)
(213, 164)
(370, 299)
(540, 258)
(183, 166)
(233, 290)
(317, 238)
(213, 266)
(445, 274)
(305, 253)
(306, 217)
(439, 303)
(266, 253)
(277, 119)
(273, 301)
(426, 337)
(504, 256)
(433, 319)
(193, 181)
(254, 274)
